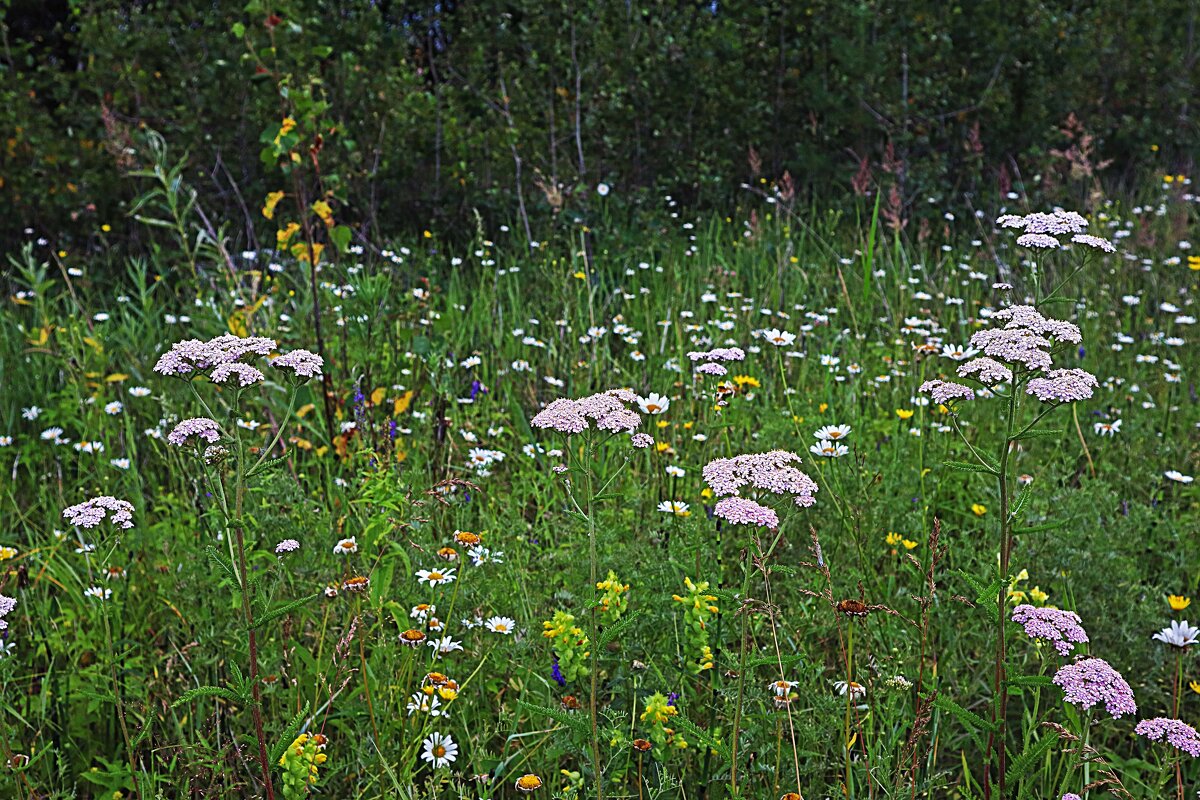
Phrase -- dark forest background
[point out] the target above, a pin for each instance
(415, 115)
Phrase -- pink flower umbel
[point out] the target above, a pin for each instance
(769, 472)
(200, 427)
(740, 511)
(1091, 681)
(91, 513)
(945, 391)
(1059, 628)
(1063, 386)
(302, 363)
(607, 410)
(1178, 734)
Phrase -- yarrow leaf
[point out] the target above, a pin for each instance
(1039, 434)
(702, 736)
(576, 724)
(288, 734)
(617, 628)
(286, 608)
(967, 466)
(208, 691)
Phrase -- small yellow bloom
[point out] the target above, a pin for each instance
(821, 408)
(978, 509)
(893, 538)
(428, 234)
(1038, 596)
(1168, 178)
(580, 275)
(909, 544)
(904, 413)
(1195, 686)
(1178, 602)
(106, 227)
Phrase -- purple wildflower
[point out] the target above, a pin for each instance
(91, 513)
(1063, 385)
(1091, 681)
(562, 415)
(1032, 320)
(944, 391)
(1059, 628)
(1014, 346)
(711, 369)
(202, 427)
(1178, 734)
(740, 511)
(302, 363)
(556, 673)
(607, 409)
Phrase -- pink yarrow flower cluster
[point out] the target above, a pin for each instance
(774, 472)
(199, 427)
(607, 411)
(708, 361)
(1063, 386)
(1178, 734)
(91, 513)
(945, 391)
(1091, 681)
(1060, 628)
(7, 604)
(740, 511)
(1041, 230)
(225, 357)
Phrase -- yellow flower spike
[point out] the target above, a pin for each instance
(1178, 602)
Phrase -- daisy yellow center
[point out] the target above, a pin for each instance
(500, 626)
(435, 576)
(439, 751)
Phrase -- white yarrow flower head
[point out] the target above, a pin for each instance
(1178, 634)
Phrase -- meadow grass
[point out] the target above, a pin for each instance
(663, 681)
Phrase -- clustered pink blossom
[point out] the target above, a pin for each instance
(1178, 734)
(740, 511)
(1071, 796)
(1097, 242)
(1091, 681)
(1063, 386)
(224, 356)
(91, 513)
(709, 368)
(287, 546)
(245, 374)
(718, 354)
(990, 371)
(7, 604)
(1038, 240)
(1053, 625)
(202, 427)
(606, 409)
(641, 440)
(1014, 346)
(1057, 222)
(944, 391)
(301, 362)
(770, 472)
(192, 355)
(1031, 319)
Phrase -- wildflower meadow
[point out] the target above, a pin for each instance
(597, 488)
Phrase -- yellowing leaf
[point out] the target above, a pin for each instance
(272, 200)
(116, 377)
(43, 336)
(323, 210)
(95, 345)
(305, 409)
(378, 395)
(283, 235)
